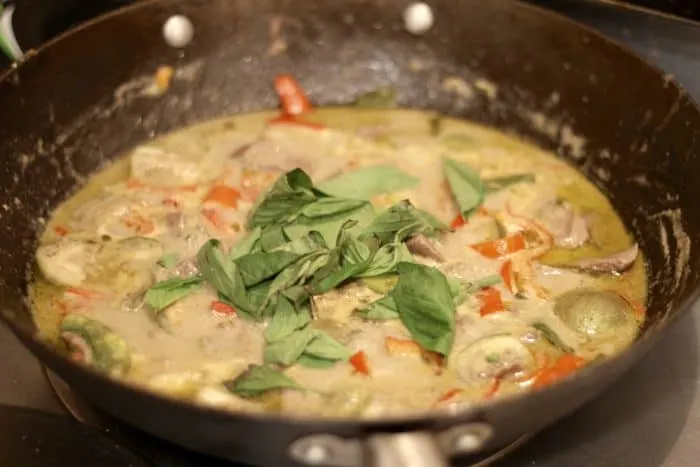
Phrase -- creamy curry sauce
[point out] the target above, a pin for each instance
(549, 278)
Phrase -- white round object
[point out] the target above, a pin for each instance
(178, 31)
(418, 18)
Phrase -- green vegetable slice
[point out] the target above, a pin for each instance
(97, 344)
(258, 379)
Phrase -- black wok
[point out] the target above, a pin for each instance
(623, 123)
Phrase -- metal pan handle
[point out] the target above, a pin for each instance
(419, 449)
(403, 449)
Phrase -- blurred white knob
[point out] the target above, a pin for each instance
(418, 18)
(178, 31)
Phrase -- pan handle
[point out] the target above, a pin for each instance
(418, 449)
(401, 449)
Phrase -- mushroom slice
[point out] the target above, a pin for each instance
(423, 246)
(95, 344)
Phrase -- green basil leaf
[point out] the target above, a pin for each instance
(245, 245)
(257, 295)
(426, 306)
(257, 267)
(552, 337)
(304, 245)
(285, 320)
(297, 273)
(329, 226)
(381, 284)
(272, 237)
(380, 310)
(323, 346)
(466, 186)
(318, 363)
(499, 183)
(386, 259)
(222, 274)
(398, 223)
(369, 181)
(168, 260)
(257, 380)
(165, 293)
(297, 294)
(291, 192)
(287, 350)
(330, 207)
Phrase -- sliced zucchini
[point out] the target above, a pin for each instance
(596, 314)
(140, 252)
(65, 262)
(96, 344)
(487, 357)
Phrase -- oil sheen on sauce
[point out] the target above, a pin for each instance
(568, 292)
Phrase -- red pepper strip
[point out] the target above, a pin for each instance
(449, 395)
(396, 346)
(222, 308)
(292, 97)
(212, 216)
(493, 390)
(139, 224)
(507, 275)
(359, 362)
(459, 220)
(502, 246)
(490, 299)
(60, 230)
(224, 195)
(81, 292)
(563, 367)
(544, 238)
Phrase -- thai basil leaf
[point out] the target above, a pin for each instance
(245, 245)
(552, 337)
(222, 274)
(331, 206)
(272, 237)
(257, 380)
(165, 293)
(329, 226)
(318, 363)
(379, 310)
(426, 306)
(398, 223)
(297, 273)
(386, 259)
(286, 320)
(257, 267)
(499, 183)
(382, 98)
(323, 346)
(467, 188)
(257, 294)
(304, 245)
(290, 193)
(297, 294)
(287, 350)
(381, 284)
(369, 181)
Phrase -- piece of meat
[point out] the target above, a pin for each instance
(423, 246)
(568, 228)
(616, 263)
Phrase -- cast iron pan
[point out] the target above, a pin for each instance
(623, 123)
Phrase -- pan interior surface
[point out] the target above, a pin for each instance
(625, 125)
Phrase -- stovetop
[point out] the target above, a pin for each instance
(650, 418)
